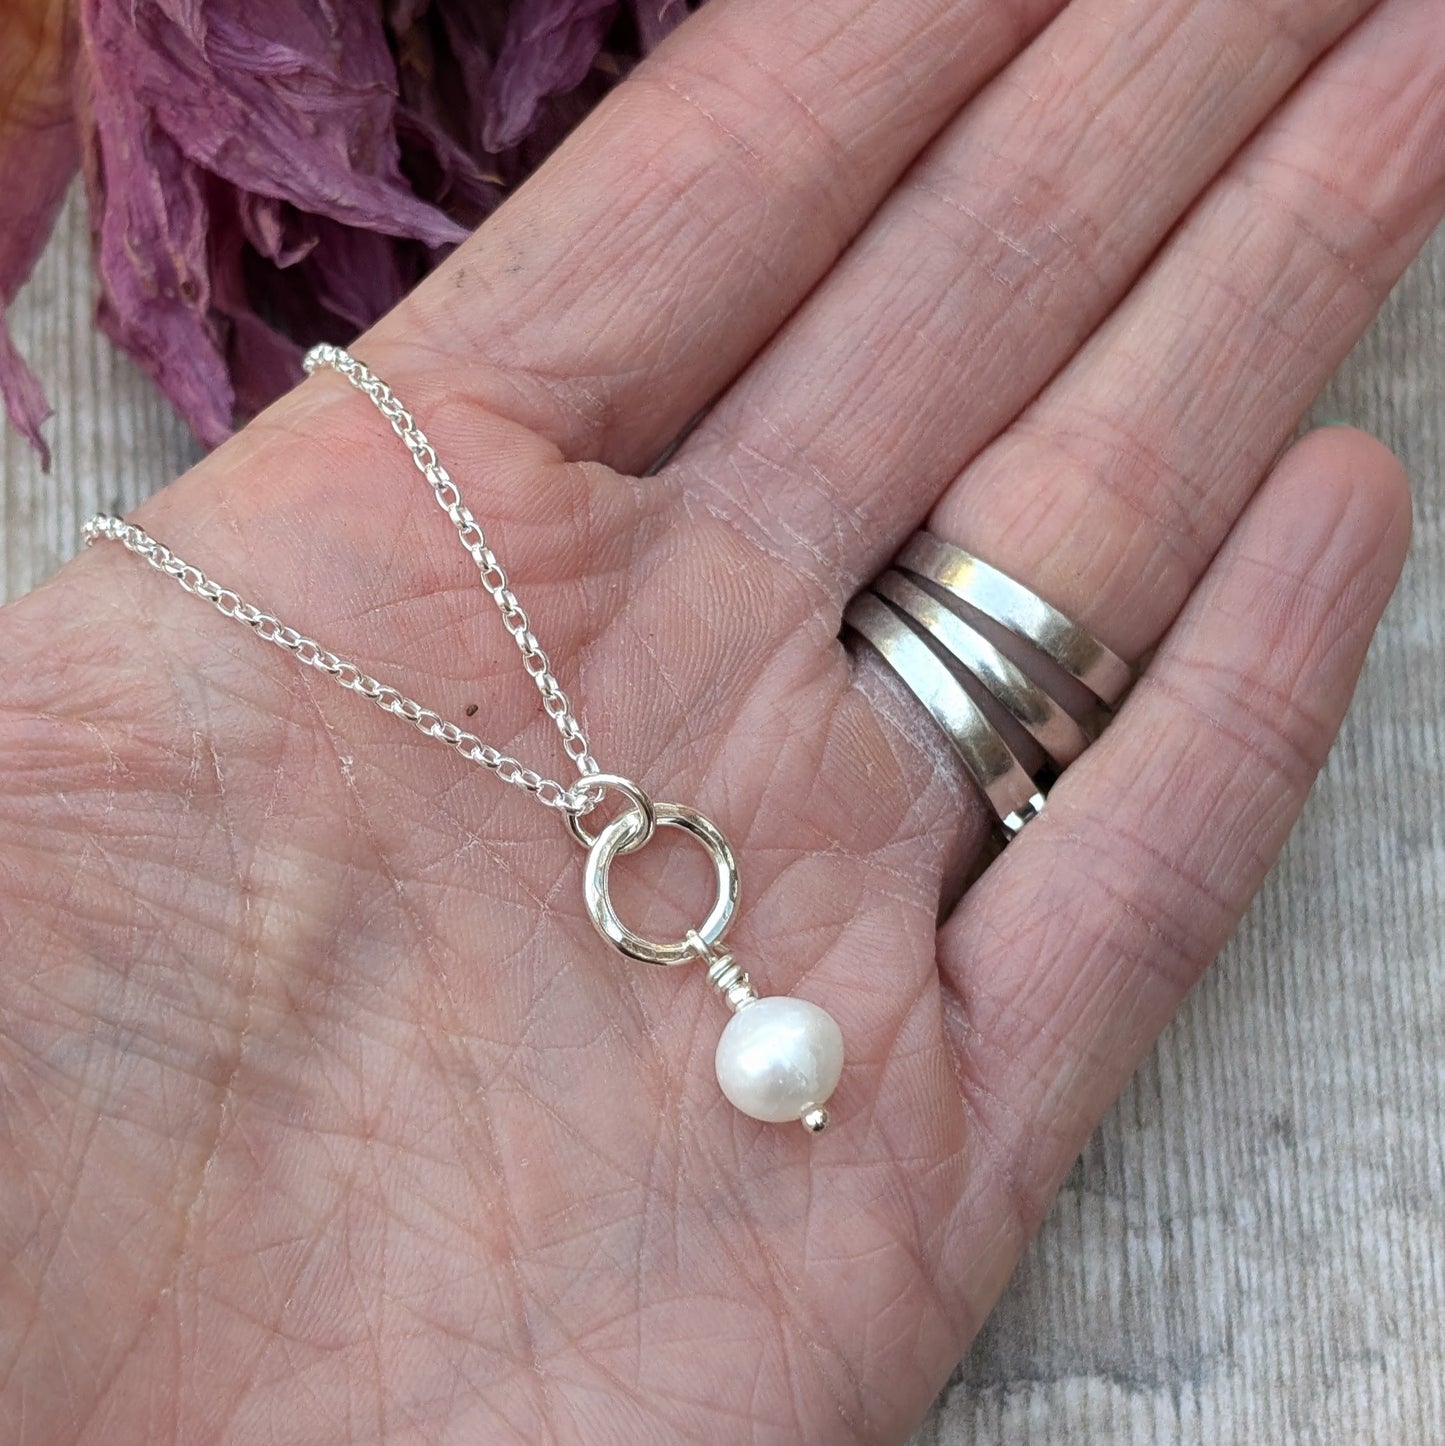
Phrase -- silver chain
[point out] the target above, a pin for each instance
(576, 800)
(813, 1073)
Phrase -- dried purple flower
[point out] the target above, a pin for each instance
(550, 47)
(263, 174)
(38, 156)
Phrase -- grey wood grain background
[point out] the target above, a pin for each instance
(1252, 1247)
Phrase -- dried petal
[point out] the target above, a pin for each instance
(259, 357)
(300, 119)
(294, 101)
(403, 14)
(358, 275)
(556, 117)
(443, 71)
(656, 19)
(278, 231)
(150, 216)
(443, 171)
(38, 157)
(24, 397)
(550, 47)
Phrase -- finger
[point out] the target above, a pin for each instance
(1119, 483)
(650, 258)
(994, 260)
(1073, 952)
(556, 333)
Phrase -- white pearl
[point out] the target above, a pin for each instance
(778, 1056)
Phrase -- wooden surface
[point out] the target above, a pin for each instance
(1252, 1247)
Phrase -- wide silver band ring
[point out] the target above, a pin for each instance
(993, 765)
(996, 595)
(1058, 733)
(933, 646)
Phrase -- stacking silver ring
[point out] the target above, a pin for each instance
(1009, 603)
(927, 635)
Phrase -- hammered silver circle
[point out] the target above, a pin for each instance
(619, 837)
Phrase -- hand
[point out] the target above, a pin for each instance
(327, 1116)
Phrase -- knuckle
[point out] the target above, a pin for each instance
(1265, 719)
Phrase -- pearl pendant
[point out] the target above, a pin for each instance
(779, 1059)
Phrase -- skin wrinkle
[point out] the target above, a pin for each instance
(271, 1328)
(563, 390)
(1038, 932)
(82, 1155)
(783, 1289)
(1279, 318)
(1344, 254)
(921, 757)
(1115, 464)
(496, 857)
(751, 673)
(946, 232)
(649, 1194)
(282, 664)
(192, 1207)
(1168, 940)
(68, 1195)
(926, 1261)
(1022, 1188)
(522, 1295)
(621, 514)
(1122, 974)
(738, 521)
(1000, 1191)
(1202, 689)
(370, 1317)
(573, 1346)
(359, 804)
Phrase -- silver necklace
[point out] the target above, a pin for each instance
(779, 1058)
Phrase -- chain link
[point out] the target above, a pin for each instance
(576, 800)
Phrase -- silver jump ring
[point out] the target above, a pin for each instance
(622, 836)
(642, 807)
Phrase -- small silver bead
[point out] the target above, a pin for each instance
(815, 1119)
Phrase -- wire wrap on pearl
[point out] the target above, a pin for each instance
(725, 974)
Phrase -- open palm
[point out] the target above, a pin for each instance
(326, 1116)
